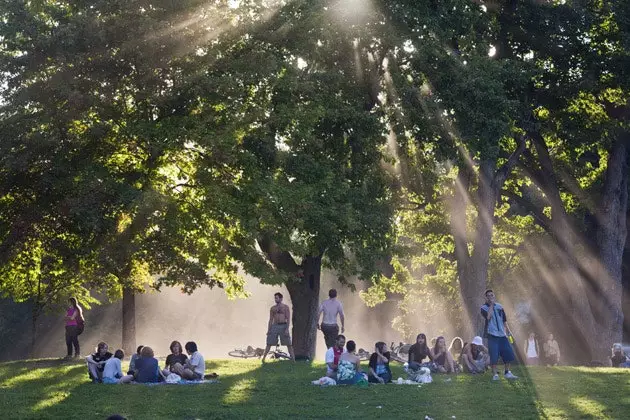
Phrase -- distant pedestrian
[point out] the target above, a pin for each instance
(496, 331)
(619, 359)
(331, 307)
(532, 351)
(552, 351)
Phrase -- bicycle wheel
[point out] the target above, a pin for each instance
(280, 355)
(238, 353)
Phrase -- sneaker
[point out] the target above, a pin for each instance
(510, 375)
(495, 377)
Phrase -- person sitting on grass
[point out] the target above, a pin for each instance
(132, 361)
(379, 365)
(418, 352)
(475, 356)
(619, 359)
(442, 357)
(332, 356)
(176, 356)
(112, 374)
(96, 362)
(147, 369)
(349, 370)
(456, 347)
(193, 368)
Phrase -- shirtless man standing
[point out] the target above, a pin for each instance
(279, 316)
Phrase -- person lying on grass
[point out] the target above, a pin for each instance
(194, 367)
(112, 374)
(349, 369)
(475, 357)
(176, 357)
(442, 357)
(379, 365)
(96, 362)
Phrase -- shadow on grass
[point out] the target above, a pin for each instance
(248, 389)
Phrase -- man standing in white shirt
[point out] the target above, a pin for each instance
(331, 308)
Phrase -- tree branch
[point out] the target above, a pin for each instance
(502, 173)
(282, 260)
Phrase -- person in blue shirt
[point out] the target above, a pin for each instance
(496, 331)
(147, 369)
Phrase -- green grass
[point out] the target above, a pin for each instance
(53, 389)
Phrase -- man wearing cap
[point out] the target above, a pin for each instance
(496, 331)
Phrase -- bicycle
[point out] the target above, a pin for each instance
(399, 353)
(363, 354)
(247, 353)
(279, 354)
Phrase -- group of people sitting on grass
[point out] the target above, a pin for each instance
(105, 367)
(343, 365)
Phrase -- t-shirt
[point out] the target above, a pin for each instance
(147, 370)
(418, 354)
(98, 358)
(113, 369)
(197, 363)
(171, 359)
(379, 368)
(494, 326)
(330, 308)
(332, 356)
(71, 322)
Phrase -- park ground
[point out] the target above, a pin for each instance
(54, 389)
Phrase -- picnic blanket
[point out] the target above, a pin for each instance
(182, 382)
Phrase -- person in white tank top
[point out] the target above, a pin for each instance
(330, 308)
(531, 350)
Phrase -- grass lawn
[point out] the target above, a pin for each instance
(247, 389)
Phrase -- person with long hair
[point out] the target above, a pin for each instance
(456, 347)
(74, 319)
(442, 357)
(379, 365)
(349, 369)
(176, 357)
(418, 352)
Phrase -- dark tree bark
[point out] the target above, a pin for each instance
(129, 320)
(610, 241)
(305, 300)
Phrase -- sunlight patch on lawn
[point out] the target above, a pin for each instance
(240, 392)
(29, 376)
(52, 398)
(589, 407)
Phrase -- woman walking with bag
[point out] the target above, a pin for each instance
(74, 327)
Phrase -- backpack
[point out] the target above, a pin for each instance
(80, 324)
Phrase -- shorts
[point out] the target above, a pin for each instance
(278, 330)
(500, 346)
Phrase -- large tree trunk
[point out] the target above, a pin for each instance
(305, 300)
(610, 241)
(129, 321)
